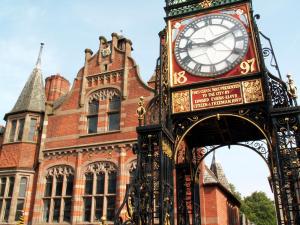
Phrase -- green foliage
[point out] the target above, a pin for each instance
(259, 209)
(236, 193)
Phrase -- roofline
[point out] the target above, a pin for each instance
(224, 189)
(22, 111)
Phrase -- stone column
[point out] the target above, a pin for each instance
(122, 177)
(78, 191)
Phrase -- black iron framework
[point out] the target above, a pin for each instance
(167, 181)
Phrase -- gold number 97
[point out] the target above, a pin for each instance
(248, 66)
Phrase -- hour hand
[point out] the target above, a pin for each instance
(192, 44)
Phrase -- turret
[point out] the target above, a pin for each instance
(24, 122)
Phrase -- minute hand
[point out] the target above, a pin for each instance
(210, 42)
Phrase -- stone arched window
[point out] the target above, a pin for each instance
(104, 111)
(58, 194)
(99, 191)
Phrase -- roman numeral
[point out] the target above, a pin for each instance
(197, 68)
(213, 69)
(186, 60)
(240, 38)
(237, 51)
(208, 22)
(181, 50)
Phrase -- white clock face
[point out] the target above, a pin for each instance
(211, 45)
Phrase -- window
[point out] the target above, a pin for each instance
(6, 192)
(232, 216)
(104, 104)
(58, 195)
(93, 116)
(32, 128)
(16, 132)
(21, 198)
(114, 113)
(20, 130)
(100, 192)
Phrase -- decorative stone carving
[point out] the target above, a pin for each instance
(101, 167)
(104, 78)
(60, 171)
(103, 94)
(106, 51)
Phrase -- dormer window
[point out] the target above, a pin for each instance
(104, 111)
(22, 129)
(16, 130)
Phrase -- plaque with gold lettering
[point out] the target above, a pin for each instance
(217, 96)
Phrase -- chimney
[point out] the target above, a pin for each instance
(128, 47)
(56, 86)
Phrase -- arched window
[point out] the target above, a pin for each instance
(105, 106)
(58, 194)
(100, 191)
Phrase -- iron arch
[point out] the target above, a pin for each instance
(263, 152)
(259, 147)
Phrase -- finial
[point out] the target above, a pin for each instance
(103, 220)
(38, 62)
(291, 88)
(141, 111)
(213, 161)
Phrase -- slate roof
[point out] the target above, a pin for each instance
(209, 177)
(218, 171)
(32, 97)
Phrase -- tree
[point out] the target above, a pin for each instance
(259, 209)
(236, 193)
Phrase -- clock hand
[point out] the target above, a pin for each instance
(219, 37)
(201, 44)
(210, 42)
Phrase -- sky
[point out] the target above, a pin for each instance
(67, 27)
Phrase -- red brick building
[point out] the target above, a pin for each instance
(65, 153)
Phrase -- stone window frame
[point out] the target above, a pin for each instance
(15, 196)
(25, 131)
(21, 197)
(6, 196)
(104, 97)
(14, 136)
(64, 171)
(94, 169)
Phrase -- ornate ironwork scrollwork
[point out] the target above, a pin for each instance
(288, 165)
(269, 52)
(279, 94)
(260, 147)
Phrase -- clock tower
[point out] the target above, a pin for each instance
(213, 90)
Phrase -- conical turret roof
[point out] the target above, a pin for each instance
(218, 171)
(32, 97)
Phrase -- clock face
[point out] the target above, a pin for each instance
(211, 45)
